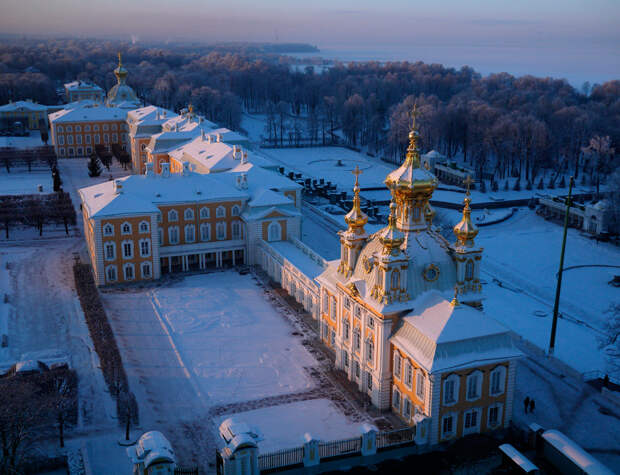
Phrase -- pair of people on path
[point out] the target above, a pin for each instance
(529, 404)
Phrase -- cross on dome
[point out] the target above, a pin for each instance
(468, 182)
(357, 172)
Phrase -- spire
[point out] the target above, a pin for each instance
(455, 300)
(391, 238)
(120, 72)
(356, 218)
(465, 231)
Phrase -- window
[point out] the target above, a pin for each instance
(97, 138)
(79, 151)
(325, 302)
(146, 270)
(69, 128)
(358, 312)
(88, 150)
(62, 152)
(395, 284)
(188, 214)
(495, 415)
(332, 338)
(113, 127)
(347, 303)
(114, 138)
(345, 358)
(334, 314)
(142, 147)
(498, 378)
(274, 232)
(447, 425)
(88, 139)
(345, 330)
(369, 381)
(236, 230)
(108, 230)
(205, 232)
(127, 249)
(220, 212)
(474, 385)
(235, 210)
(450, 390)
(128, 271)
(106, 138)
(204, 213)
(145, 247)
(469, 270)
(96, 127)
(105, 127)
(397, 365)
(370, 350)
(87, 128)
(396, 398)
(471, 421)
(110, 273)
(144, 226)
(173, 234)
(190, 233)
(61, 140)
(125, 228)
(356, 339)
(78, 128)
(110, 251)
(407, 408)
(408, 374)
(371, 322)
(71, 151)
(356, 367)
(220, 231)
(78, 139)
(70, 139)
(173, 215)
(419, 385)
(59, 128)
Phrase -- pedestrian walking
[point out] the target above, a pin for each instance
(526, 403)
(532, 405)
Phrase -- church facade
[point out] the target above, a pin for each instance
(401, 310)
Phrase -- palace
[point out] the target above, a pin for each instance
(401, 309)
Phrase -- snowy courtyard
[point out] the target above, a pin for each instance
(214, 344)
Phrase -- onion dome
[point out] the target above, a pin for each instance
(390, 237)
(411, 176)
(356, 218)
(465, 231)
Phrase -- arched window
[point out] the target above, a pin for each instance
(469, 270)
(450, 390)
(173, 215)
(188, 214)
(204, 213)
(474, 385)
(190, 233)
(59, 128)
(236, 230)
(497, 381)
(144, 226)
(108, 230)
(395, 283)
(110, 251)
(220, 212)
(145, 247)
(125, 228)
(235, 210)
(220, 231)
(205, 232)
(146, 270)
(110, 273)
(274, 232)
(173, 234)
(128, 271)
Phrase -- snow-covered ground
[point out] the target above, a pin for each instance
(284, 426)
(254, 125)
(22, 182)
(33, 140)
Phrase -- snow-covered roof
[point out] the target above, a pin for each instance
(22, 106)
(575, 453)
(308, 266)
(440, 336)
(140, 194)
(267, 197)
(82, 86)
(88, 114)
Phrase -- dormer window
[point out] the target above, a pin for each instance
(395, 280)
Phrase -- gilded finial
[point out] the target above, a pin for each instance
(190, 108)
(455, 300)
(468, 182)
(465, 231)
(357, 172)
(356, 218)
(413, 155)
(120, 61)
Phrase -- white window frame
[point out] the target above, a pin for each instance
(59, 128)
(190, 233)
(478, 376)
(235, 210)
(144, 227)
(236, 230)
(469, 265)
(61, 140)
(408, 377)
(472, 429)
(111, 245)
(357, 339)
(188, 214)
(148, 244)
(220, 212)
(420, 385)
(69, 139)
(396, 398)
(207, 227)
(345, 358)
(500, 373)
(447, 434)
(127, 266)
(398, 366)
(205, 213)
(370, 351)
(150, 270)
(108, 229)
(220, 231)
(455, 379)
(500, 409)
(173, 231)
(173, 216)
(124, 255)
(274, 231)
(107, 275)
(407, 407)
(346, 329)
(126, 228)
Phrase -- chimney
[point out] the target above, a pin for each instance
(185, 168)
(149, 169)
(118, 187)
(242, 181)
(165, 170)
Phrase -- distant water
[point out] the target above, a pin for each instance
(577, 65)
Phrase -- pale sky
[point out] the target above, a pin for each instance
(551, 37)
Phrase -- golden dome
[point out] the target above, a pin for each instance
(356, 218)
(390, 237)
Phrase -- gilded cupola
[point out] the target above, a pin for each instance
(465, 231)
(356, 218)
(391, 237)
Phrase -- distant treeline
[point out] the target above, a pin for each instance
(510, 125)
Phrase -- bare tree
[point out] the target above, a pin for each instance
(602, 153)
